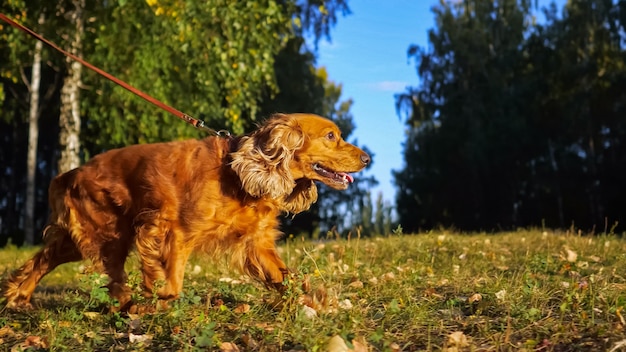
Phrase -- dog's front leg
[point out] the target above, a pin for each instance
(262, 262)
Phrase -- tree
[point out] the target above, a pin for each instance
(466, 126)
(70, 118)
(589, 77)
(27, 60)
(33, 138)
(213, 60)
(515, 124)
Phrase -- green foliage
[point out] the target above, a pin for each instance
(516, 122)
(204, 336)
(95, 284)
(213, 60)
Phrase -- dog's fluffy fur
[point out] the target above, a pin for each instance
(221, 196)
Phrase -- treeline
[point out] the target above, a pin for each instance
(519, 120)
(229, 63)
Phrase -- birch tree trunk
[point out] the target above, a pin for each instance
(69, 120)
(33, 137)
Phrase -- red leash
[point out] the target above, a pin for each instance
(187, 118)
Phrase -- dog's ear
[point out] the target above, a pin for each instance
(262, 158)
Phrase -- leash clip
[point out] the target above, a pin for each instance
(223, 133)
(199, 124)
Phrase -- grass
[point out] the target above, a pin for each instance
(519, 291)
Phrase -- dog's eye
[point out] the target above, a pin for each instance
(331, 136)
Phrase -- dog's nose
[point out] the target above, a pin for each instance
(365, 159)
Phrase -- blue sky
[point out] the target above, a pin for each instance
(367, 54)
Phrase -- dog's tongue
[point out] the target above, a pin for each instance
(347, 177)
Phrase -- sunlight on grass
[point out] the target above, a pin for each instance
(525, 290)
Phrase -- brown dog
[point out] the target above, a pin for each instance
(217, 195)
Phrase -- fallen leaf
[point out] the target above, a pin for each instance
(250, 342)
(230, 280)
(501, 294)
(582, 265)
(306, 283)
(306, 300)
(79, 338)
(309, 312)
(388, 276)
(476, 297)
(458, 339)
(197, 269)
(337, 344)
(356, 284)
(6, 331)
(134, 324)
(571, 256)
(132, 338)
(229, 347)
(265, 327)
(359, 345)
(345, 304)
(430, 292)
(595, 258)
(242, 308)
(32, 341)
(217, 303)
(91, 315)
(394, 347)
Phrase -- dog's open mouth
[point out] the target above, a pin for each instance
(336, 177)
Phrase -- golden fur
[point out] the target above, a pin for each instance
(218, 195)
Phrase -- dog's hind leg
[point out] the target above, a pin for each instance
(163, 258)
(58, 249)
(113, 257)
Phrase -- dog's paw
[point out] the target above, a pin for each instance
(320, 299)
(19, 305)
(148, 308)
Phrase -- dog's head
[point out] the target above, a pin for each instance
(285, 155)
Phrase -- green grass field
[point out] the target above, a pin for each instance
(526, 290)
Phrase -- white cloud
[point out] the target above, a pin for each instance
(324, 43)
(389, 86)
